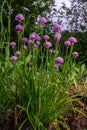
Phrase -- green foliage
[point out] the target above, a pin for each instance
(7, 99)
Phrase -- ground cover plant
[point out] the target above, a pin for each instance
(36, 77)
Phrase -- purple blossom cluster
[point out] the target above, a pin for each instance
(19, 17)
(13, 58)
(30, 41)
(13, 44)
(24, 39)
(75, 54)
(67, 43)
(57, 27)
(70, 41)
(48, 44)
(18, 53)
(42, 20)
(57, 36)
(35, 40)
(59, 61)
(19, 27)
(46, 37)
(34, 36)
(24, 47)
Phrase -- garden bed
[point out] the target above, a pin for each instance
(73, 120)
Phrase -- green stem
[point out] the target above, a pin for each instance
(71, 49)
(18, 39)
(57, 48)
(67, 58)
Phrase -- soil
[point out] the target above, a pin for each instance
(76, 120)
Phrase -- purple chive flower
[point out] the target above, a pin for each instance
(46, 37)
(18, 53)
(30, 42)
(13, 44)
(56, 66)
(19, 17)
(38, 38)
(35, 36)
(37, 43)
(59, 60)
(67, 43)
(24, 47)
(13, 58)
(48, 44)
(57, 27)
(75, 54)
(19, 27)
(57, 36)
(72, 40)
(42, 20)
(32, 36)
(24, 39)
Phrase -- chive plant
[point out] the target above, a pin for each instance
(36, 74)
